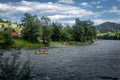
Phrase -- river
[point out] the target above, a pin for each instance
(97, 61)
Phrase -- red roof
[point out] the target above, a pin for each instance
(14, 32)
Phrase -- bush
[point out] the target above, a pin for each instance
(7, 38)
(11, 68)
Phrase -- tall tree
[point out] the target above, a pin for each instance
(46, 33)
(32, 27)
(84, 30)
(45, 21)
(56, 31)
(7, 38)
(78, 30)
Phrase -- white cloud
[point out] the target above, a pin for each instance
(98, 21)
(55, 11)
(99, 7)
(95, 2)
(66, 1)
(114, 10)
(85, 4)
(71, 22)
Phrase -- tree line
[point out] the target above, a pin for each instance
(109, 35)
(35, 29)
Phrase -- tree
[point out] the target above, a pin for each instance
(46, 36)
(46, 33)
(7, 38)
(32, 27)
(84, 30)
(78, 30)
(117, 35)
(56, 31)
(66, 34)
(45, 21)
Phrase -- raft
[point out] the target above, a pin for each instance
(41, 52)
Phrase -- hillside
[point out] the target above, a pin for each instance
(8, 23)
(108, 27)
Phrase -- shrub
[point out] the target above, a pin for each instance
(11, 68)
(7, 38)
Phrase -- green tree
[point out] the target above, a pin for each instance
(78, 30)
(66, 34)
(90, 31)
(56, 36)
(117, 35)
(7, 38)
(32, 27)
(84, 30)
(46, 33)
(45, 21)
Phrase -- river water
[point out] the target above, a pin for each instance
(97, 61)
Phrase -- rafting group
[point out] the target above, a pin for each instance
(42, 51)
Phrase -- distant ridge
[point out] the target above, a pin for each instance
(108, 27)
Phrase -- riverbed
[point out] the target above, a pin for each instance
(97, 61)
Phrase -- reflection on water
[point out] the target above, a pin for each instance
(96, 61)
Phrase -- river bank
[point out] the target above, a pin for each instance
(20, 43)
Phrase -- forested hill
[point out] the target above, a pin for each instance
(108, 27)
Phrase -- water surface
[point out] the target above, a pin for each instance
(95, 61)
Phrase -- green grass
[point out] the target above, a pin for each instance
(74, 43)
(20, 43)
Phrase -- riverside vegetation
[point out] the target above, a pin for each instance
(12, 68)
(35, 33)
(109, 35)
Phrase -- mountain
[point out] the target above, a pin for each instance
(108, 27)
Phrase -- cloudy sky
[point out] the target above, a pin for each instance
(64, 11)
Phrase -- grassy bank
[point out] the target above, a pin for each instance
(20, 43)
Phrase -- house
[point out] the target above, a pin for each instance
(14, 33)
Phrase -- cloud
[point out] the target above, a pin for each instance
(63, 13)
(66, 1)
(99, 7)
(71, 22)
(95, 2)
(114, 10)
(85, 4)
(54, 11)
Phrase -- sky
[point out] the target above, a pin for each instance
(63, 11)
